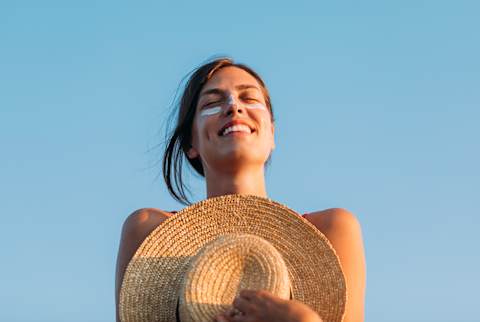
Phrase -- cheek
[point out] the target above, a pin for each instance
(266, 123)
(202, 124)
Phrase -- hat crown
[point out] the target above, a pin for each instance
(225, 266)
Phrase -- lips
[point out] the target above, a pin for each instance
(237, 129)
(235, 122)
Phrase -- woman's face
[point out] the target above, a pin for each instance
(232, 94)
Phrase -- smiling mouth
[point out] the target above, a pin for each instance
(236, 133)
(236, 128)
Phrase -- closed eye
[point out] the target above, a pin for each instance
(247, 99)
(250, 99)
(211, 103)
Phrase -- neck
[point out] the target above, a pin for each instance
(244, 182)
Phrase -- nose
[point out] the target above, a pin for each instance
(232, 106)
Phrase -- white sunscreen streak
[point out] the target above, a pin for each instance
(211, 111)
(256, 106)
(217, 109)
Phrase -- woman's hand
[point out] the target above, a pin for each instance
(262, 306)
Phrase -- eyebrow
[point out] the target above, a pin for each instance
(220, 92)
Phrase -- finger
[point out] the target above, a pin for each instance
(258, 297)
(248, 294)
(229, 312)
(223, 318)
(241, 304)
(264, 294)
(241, 318)
(220, 318)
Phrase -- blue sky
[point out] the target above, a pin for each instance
(377, 111)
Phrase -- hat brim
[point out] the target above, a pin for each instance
(153, 278)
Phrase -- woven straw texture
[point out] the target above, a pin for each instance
(154, 279)
(225, 266)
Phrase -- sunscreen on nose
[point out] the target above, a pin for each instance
(230, 100)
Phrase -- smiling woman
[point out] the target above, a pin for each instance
(219, 94)
(225, 130)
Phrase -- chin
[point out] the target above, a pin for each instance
(241, 159)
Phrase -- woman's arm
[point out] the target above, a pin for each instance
(344, 233)
(135, 229)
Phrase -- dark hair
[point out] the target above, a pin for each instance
(179, 140)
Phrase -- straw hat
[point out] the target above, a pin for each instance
(191, 267)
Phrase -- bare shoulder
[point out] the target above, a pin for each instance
(333, 219)
(343, 230)
(142, 221)
(136, 227)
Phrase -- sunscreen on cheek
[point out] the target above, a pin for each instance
(256, 106)
(211, 111)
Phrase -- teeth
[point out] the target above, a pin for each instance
(241, 128)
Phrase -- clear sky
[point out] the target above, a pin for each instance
(377, 109)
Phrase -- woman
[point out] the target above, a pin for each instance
(225, 129)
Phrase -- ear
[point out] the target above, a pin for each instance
(192, 153)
